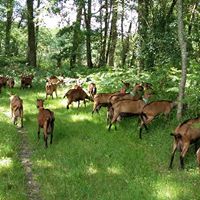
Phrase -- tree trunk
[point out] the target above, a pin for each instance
(88, 33)
(183, 47)
(9, 14)
(113, 33)
(37, 25)
(125, 46)
(76, 37)
(143, 12)
(102, 59)
(192, 18)
(31, 52)
(122, 21)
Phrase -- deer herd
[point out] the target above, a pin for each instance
(128, 101)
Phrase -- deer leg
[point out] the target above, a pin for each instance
(56, 93)
(52, 128)
(113, 121)
(11, 112)
(94, 108)
(45, 133)
(51, 138)
(84, 102)
(172, 155)
(184, 151)
(38, 133)
(141, 127)
(147, 121)
(14, 120)
(22, 125)
(78, 104)
(195, 147)
(69, 102)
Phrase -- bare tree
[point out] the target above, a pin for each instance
(183, 47)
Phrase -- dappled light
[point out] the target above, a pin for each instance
(5, 163)
(7, 113)
(114, 170)
(44, 164)
(166, 190)
(91, 169)
(80, 117)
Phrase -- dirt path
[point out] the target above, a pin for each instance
(33, 190)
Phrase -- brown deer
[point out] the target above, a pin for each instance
(126, 107)
(26, 81)
(46, 121)
(185, 134)
(153, 109)
(76, 95)
(16, 107)
(10, 82)
(92, 90)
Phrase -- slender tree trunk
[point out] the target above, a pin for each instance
(143, 12)
(76, 37)
(88, 15)
(113, 33)
(192, 17)
(168, 16)
(109, 31)
(31, 52)
(9, 14)
(183, 47)
(37, 25)
(122, 21)
(125, 46)
(102, 60)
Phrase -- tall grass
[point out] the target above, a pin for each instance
(86, 161)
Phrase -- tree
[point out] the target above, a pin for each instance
(88, 15)
(76, 35)
(183, 47)
(31, 52)
(125, 45)
(9, 13)
(104, 35)
(37, 24)
(113, 33)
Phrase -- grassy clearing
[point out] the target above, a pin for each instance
(88, 162)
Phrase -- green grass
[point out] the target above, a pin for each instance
(12, 181)
(86, 161)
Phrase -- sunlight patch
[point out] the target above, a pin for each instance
(5, 162)
(63, 102)
(7, 114)
(80, 117)
(114, 170)
(91, 169)
(44, 163)
(166, 191)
